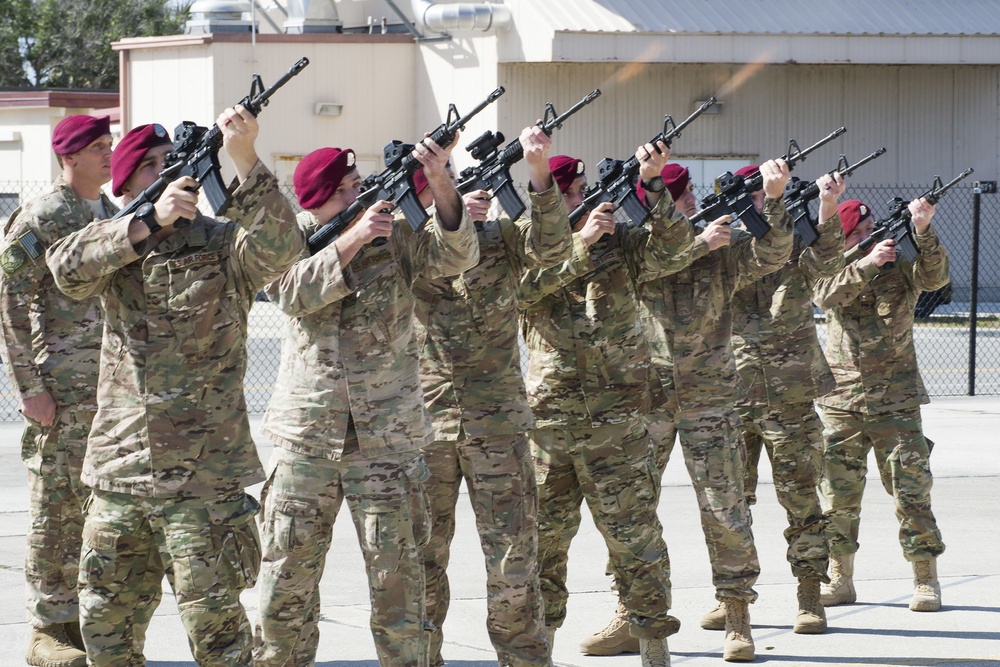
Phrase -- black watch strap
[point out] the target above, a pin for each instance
(654, 184)
(147, 214)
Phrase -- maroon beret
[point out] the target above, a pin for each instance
(852, 212)
(130, 151)
(676, 178)
(74, 133)
(420, 180)
(565, 170)
(319, 174)
(748, 170)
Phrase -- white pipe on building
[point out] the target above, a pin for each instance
(461, 16)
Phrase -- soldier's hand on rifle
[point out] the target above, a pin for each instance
(652, 159)
(374, 223)
(536, 145)
(434, 158)
(921, 212)
(477, 203)
(179, 200)
(831, 187)
(883, 252)
(601, 221)
(239, 133)
(775, 175)
(718, 233)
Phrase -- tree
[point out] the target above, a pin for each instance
(67, 43)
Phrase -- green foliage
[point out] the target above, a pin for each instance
(67, 43)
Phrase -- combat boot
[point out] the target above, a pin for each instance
(811, 619)
(926, 589)
(739, 644)
(654, 652)
(74, 634)
(614, 639)
(51, 647)
(840, 590)
(715, 619)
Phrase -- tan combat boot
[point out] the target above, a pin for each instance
(840, 590)
(926, 589)
(654, 652)
(74, 634)
(614, 639)
(715, 619)
(51, 647)
(811, 619)
(739, 644)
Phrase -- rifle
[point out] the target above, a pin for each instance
(395, 182)
(898, 225)
(799, 193)
(733, 192)
(493, 170)
(616, 178)
(196, 151)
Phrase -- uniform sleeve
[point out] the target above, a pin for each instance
(311, 283)
(825, 257)
(845, 286)
(665, 245)
(539, 283)
(83, 263)
(753, 258)
(20, 294)
(269, 241)
(434, 252)
(930, 270)
(546, 239)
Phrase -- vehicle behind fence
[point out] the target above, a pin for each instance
(958, 347)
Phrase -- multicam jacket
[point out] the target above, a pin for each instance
(470, 362)
(870, 329)
(774, 334)
(50, 341)
(688, 316)
(350, 349)
(171, 418)
(588, 360)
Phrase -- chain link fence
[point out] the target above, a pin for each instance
(946, 335)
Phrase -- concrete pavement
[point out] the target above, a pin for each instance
(879, 630)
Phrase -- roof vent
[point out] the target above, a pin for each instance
(312, 16)
(213, 16)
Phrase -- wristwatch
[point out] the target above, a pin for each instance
(147, 214)
(655, 184)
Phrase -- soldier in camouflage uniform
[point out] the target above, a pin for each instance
(687, 318)
(170, 450)
(588, 385)
(347, 415)
(783, 369)
(471, 372)
(52, 345)
(876, 403)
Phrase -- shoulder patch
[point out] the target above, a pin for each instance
(19, 252)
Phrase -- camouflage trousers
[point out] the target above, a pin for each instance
(902, 454)
(209, 550)
(792, 435)
(715, 457)
(54, 458)
(387, 502)
(610, 467)
(500, 479)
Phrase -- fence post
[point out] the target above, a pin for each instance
(978, 188)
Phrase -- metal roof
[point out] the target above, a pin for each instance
(776, 17)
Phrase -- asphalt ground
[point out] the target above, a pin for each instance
(878, 630)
